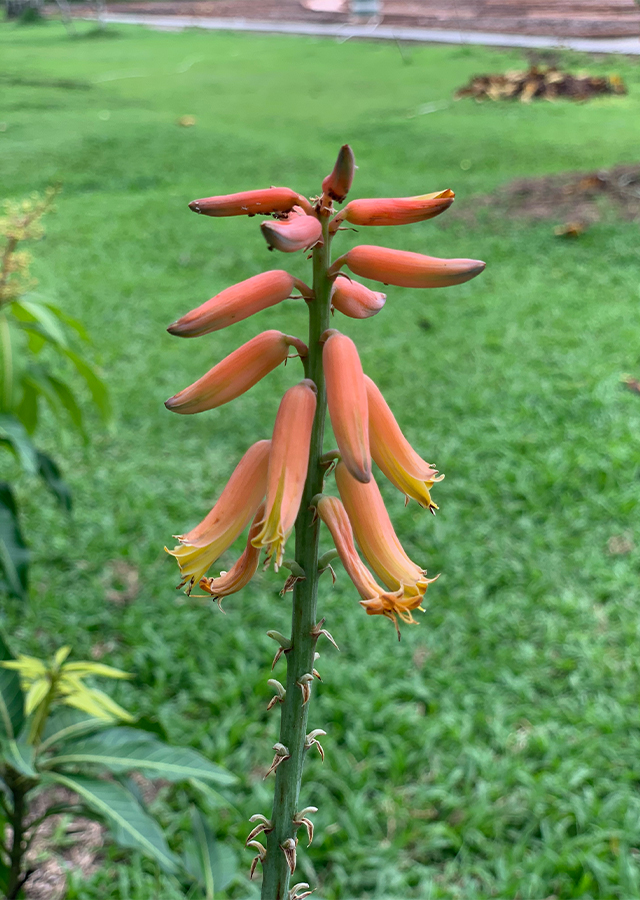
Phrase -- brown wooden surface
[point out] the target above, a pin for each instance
(563, 18)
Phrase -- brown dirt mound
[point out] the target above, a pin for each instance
(540, 83)
(577, 199)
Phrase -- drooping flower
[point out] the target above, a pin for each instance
(235, 303)
(374, 599)
(240, 574)
(338, 183)
(238, 503)
(297, 232)
(394, 211)
(236, 373)
(405, 269)
(393, 453)
(375, 535)
(354, 299)
(347, 402)
(250, 203)
(288, 463)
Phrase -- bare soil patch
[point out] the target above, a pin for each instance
(576, 198)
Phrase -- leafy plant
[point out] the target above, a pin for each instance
(57, 731)
(35, 335)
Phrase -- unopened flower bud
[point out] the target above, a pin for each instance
(338, 183)
(236, 373)
(249, 203)
(235, 303)
(396, 211)
(354, 299)
(405, 269)
(298, 232)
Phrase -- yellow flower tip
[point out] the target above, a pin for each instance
(236, 374)
(398, 210)
(236, 506)
(235, 303)
(288, 461)
(248, 203)
(298, 232)
(354, 299)
(347, 402)
(406, 269)
(376, 537)
(338, 183)
(242, 572)
(393, 453)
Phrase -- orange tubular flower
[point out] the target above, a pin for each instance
(235, 303)
(298, 232)
(405, 269)
(238, 503)
(338, 183)
(394, 454)
(250, 203)
(394, 211)
(376, 537)
(288, 464)
(242, 572)
(375, 600)
(354, 299)
(236, 373)
(347, 402)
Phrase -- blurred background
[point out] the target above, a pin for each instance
(494, 751)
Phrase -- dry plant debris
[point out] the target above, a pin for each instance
(540, 83)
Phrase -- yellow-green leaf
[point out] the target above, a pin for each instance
(36, 694)
(90, 668)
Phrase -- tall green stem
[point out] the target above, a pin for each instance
(15, 879)
(300, 658)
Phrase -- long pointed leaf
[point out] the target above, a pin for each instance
(211, 864)
(38, 312)
(50, 473)
(97, 387)
(12, 430)
(11, 698)
(123, 749)
(14, 554)
(130, 825)
(20, 756)
(65, 724)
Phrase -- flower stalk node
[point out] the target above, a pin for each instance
(304, 683)
(312, 741)
(300, 891)
(259, 858)
(281, 754)
(302, 818)
(264, 825)
(288, 847)
(319, 630)
(280, 691)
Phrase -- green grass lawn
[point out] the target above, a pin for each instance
(494, 752)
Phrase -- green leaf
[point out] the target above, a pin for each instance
(130, 825)
(30, 310)
(211, 864)
(68, 401)
(12, 430)
(123, 749)
(77, 326)
(65, 724)
(27, 409)
(11, 698)
(50, 473)
(20, 756)
(14, 554)
(97, 387)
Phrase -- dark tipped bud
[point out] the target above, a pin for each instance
(338, 184)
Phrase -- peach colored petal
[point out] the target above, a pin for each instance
(249, 203)
(240, 574)
(354, 299)
(288, 463)
(347, 402)
(235, 303)
(298, 232)
(405, 269)
(393, 453)
(398, 210)
(236, 373)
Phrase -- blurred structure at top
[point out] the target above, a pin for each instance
(556, 18)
